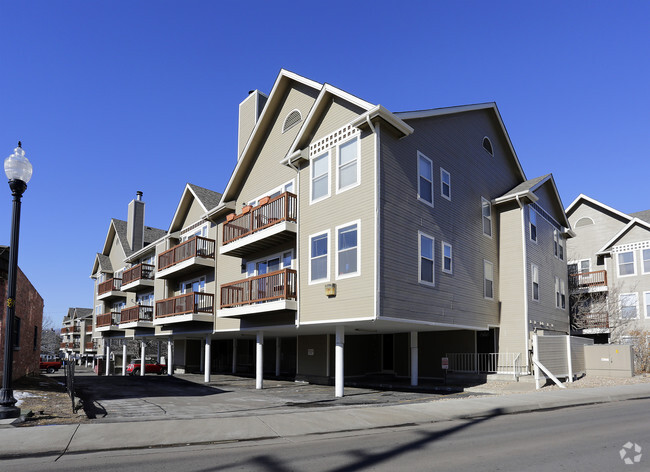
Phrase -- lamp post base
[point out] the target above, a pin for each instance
(7, 412)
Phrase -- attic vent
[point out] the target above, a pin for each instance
(291, 120)
(487, 145)
(584, 221)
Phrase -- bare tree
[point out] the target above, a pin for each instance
(50, 339)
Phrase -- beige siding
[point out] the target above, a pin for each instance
(455, 144)
(193, 214)
(591, 238)
(355, 295)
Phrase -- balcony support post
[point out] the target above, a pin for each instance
(414, 358)
(143, 362)
(259, 361)
(208, 343)
(108, 356)
(234, 355)
(170, 364)
(277, 357)
(338, 369)
(124, 358)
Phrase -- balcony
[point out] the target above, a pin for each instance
(89, 328)
(260, 294)
(588, 281)
(266, 225)
(112, 288)
(91, 346)
(108, 321)
(589, 323)
(139, 316)
(194, 306)
(137, 278)
(195, 253)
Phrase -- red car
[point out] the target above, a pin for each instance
(151, 367)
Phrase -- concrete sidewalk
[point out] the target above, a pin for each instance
(60, 439)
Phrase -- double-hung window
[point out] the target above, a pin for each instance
(562, 294)
(347, 253)
(425, 264)
(318, 257)
(626, 264)
(445, 184)
(348, 165)
(646, 302)
(486, 211)
(645, 254)
(320, 177)
(425, 179)
(488, 280)
(555, 243)
(629, 305)
(532, 218)
(535, 281)
(447, 259)
(557, 292)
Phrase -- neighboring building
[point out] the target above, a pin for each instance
(27, 322)
(77, 334)
(353, 239)
(609, 270)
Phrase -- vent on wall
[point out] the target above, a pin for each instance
(487, 145)
(291, 120)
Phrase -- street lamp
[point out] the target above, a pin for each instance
(19, 171)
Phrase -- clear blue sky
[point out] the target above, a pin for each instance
(111, 97)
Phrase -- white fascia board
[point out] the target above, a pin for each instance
(525, 193)
(223, 207)
(593, 201)
(151, 247)
(387, 116)
(408, 115)
(635, 221)
(283, 76)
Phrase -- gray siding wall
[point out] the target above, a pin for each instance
(355, 295)
(455, 144)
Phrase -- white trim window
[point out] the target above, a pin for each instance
(445, 184)
(488, 280)
(532, 223)
(319, 270)
(626, 262)
(534, 277)
(275, 192)
(447, 258)
(486, 212)
(646, 303)
(560, 244)
(629, 305)
(348, 168)
(426, 273)
(562, 294)
(557, 292)
(196, 285)
(555, 243)
(425, 179)
(320, 178)
(201, 231)
(347, 250)
(645, 257)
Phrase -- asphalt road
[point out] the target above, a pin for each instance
(586, 438)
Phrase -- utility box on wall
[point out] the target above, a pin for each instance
(609, 360)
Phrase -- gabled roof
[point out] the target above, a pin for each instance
(152, 234)
(582, 197)
(102, 264)
(79, 313)
(413, 115)
(642, 215)
(633, 222)
(208, 199)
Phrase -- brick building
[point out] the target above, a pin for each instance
(28, 321)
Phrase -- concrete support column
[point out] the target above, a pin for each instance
(124, 359)
(208, 344)
(277, 357)
(202, 357)
(142, 361)
(338, 369)
(108, 357)
(414, 358)
(234, 355)
(158, 353)
(170, 363)
(259, 361)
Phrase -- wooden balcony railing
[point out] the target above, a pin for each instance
(588, 279)
(109, 286)
(137, 313)
(140, 271)
(89, 328)
(91, 346)
(65, 330)
(278, 285)
(197, 246)
(590, 320)
(64, 345)
(108, 319)
(194, 302)
(280, 208)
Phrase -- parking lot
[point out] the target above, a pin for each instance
(183, 396)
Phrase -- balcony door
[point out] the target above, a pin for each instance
(195, 285)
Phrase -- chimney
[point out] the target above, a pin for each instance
(135, 223)
(249, 112)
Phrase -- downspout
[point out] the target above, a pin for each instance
(290, 164)
(525, 256)
(375, 131)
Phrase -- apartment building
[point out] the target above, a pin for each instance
(76, 335)
(609, 270)
(351, 240)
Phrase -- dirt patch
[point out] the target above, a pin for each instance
(48, 400)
